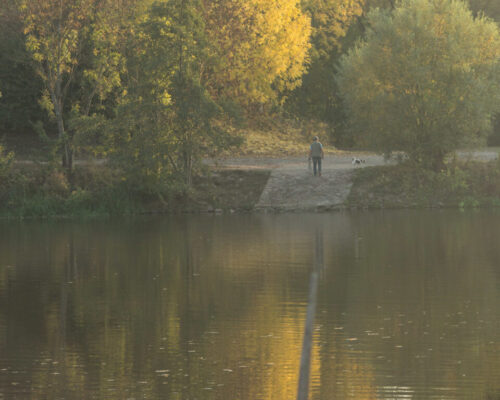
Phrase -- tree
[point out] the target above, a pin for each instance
(261, 47)
(72, 44)
(426, 79)
(20, 86)
(491, 8)
(331, 21)
(165, 122)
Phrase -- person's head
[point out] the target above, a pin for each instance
(315, 138)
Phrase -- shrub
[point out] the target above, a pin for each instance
(425, 81)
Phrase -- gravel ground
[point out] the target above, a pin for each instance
(292, 186)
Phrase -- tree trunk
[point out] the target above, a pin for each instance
(438, 161)
(188, 167)
(67, 157)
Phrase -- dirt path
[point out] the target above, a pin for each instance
(291, 186)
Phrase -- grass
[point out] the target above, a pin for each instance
(461, 184)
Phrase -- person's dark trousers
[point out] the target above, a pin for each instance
(316, 165)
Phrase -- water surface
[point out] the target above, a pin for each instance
(213, 307)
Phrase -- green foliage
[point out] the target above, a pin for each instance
(468, 202)
(20, 87)
(166, 122)
(426, 80)
(74, 47)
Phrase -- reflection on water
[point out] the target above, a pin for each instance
(199, 307)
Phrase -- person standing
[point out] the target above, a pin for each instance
(316, 154)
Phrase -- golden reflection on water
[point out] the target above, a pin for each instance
(214, 307)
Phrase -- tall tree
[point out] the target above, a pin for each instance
(491, 8)
(331, 20)
(166, 121)
(261, 47)
(72, 46)
(188, 50)
(426, 80)
(19, 84)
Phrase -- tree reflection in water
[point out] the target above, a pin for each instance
(214, 307)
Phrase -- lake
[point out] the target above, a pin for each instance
(213, 307)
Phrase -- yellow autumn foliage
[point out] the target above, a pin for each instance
(330, 21)
(261, 47)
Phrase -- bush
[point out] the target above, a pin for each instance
(425, 81)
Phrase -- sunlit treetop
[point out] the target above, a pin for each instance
(330, 21)
(262, 47)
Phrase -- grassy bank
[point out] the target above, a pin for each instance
(31, 185)
(38, 190)
(462, 185)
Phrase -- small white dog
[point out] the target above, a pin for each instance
(357, 161)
